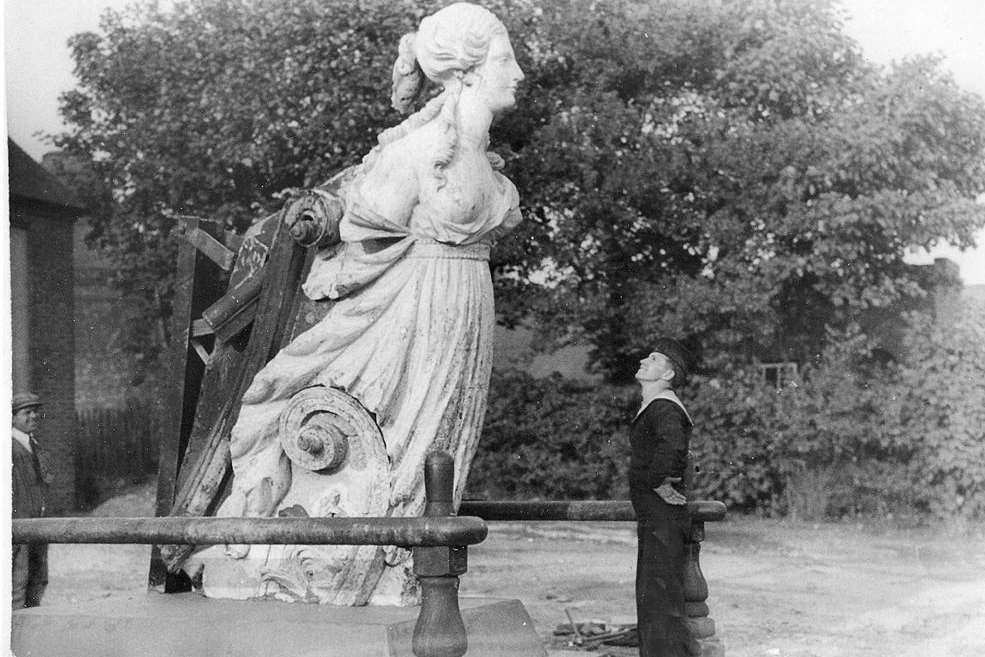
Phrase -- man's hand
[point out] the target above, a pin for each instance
(668, 493)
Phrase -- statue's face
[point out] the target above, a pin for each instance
(654, 367)
(26, 419)
(498, 76)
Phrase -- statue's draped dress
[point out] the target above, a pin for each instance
(410, 333)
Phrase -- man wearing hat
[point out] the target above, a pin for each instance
(30, 484)
(659, 436)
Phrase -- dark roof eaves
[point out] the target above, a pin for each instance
(27, 179)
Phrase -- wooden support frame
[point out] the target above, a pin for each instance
(199, 282)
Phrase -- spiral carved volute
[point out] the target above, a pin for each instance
(313, 218)
(318, 427)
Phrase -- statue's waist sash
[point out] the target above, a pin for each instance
(431, 249)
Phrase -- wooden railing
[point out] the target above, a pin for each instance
(439, 539)
(695, 586)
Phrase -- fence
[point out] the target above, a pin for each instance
(439, 540)
(114, 444)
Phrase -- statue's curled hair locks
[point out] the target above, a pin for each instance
(448, 46)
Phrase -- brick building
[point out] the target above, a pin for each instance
(42, 217)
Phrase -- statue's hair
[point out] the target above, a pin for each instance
(448, 45)
(408, 78)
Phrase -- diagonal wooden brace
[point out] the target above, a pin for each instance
(210, 247)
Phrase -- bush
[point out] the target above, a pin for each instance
(552, 439)
(560, 439)
(828, 444)
(851, 436)
(834, 437)
(732, 442)
(938, 407)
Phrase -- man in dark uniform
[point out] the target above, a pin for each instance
(30, 489)
(659, 438)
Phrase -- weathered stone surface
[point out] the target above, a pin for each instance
(187, 624)
(356, 484)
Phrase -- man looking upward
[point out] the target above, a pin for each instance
(30, 488)
(659, 436)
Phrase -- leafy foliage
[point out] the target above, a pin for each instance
(852, 435)
(730, 173)
(732, 441)
(938, 408)
(734, 174)
(214, 108)
(551, 439)
(834, 451)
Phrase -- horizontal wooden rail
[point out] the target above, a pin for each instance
(701, 510)
(405, 532)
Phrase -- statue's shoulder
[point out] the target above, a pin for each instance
(418, 145)
(404, 159)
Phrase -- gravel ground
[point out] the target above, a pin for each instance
(777, 588)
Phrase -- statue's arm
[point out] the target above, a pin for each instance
(385, 196)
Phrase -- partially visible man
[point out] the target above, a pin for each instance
(659, 437)
(30, 484)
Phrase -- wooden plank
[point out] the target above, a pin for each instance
(236, 309)
(210, 247)
(196, 287)
(201, 328)
(202, 352)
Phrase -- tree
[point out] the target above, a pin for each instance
(213, 109)
(734, 173)
(724, 171)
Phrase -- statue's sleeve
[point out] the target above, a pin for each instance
(381, 201)
(379, 204)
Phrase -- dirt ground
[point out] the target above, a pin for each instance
(777, 588)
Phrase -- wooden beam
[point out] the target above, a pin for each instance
(209, 246)
(197, 285)
(426, 532)
(201, 329)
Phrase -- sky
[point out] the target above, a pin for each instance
(38, 66)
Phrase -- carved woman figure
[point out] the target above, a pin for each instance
(410, 334)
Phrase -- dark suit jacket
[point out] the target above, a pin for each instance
(659, 438)
(30, 490)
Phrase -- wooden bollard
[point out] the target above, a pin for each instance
(440, 631)
(695, 586)
(696, 594)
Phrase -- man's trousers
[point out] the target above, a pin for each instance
(660, 562)
(30, 575)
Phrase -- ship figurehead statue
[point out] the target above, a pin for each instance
(339, 422)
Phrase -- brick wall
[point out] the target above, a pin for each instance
(51, 342)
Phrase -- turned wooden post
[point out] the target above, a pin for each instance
(440, 631)
(695, 586)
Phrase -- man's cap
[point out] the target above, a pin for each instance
(22, 400)
(684, 361)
